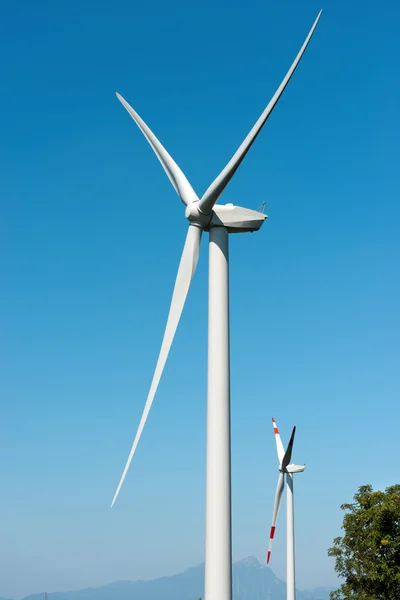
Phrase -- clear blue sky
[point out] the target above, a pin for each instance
(91, 233)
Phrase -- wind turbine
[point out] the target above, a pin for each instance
(285, 468)
(204, 214)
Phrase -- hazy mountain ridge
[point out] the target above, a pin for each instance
(250, 579)
(318, 592)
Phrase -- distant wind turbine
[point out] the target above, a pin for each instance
(204, 214)
(285, 468)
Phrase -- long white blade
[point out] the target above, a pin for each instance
(278, 500)
(279, 446)
(217, 187)
(176, 176)
(184, 277)
(288, 453)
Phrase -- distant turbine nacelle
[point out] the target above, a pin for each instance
(236, 219)
(293, 469)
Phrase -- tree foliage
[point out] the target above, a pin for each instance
(367, 556)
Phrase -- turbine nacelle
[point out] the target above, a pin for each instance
(236, 219)
(292, 469)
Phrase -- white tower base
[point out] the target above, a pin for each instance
(290, 582)
(218, 551)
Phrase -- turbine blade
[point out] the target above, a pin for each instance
(288, 453)
(175, 174)
(278, 500)
(187, 267)
(217, 187)
(279, 446)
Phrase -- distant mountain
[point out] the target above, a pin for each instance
(322, 593)
(251, 581)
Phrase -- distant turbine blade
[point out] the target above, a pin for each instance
(176, 176)
(288, 453)
(217, 187)
(187, 267)
(279, 446)
(278, 500)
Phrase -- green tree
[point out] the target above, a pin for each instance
(367, 556)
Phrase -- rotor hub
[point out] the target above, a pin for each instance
(195, 217)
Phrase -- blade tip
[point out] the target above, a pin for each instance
(115, 498)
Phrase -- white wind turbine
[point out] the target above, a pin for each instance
(204, 214)
(285, 467)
